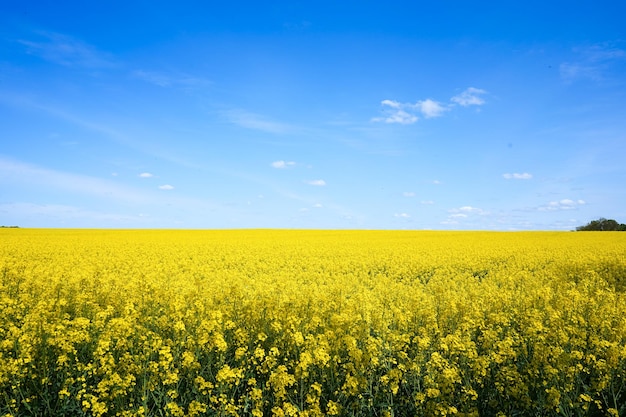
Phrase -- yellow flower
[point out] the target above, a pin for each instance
(310, 323)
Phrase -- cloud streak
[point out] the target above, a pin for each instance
(163, 79)
(255, 121)
(408, 113)
(468, 209)
(282, 164)
(592, 62)
(42, 179)
(106, 131)
(470, 97)
(402, 215)
(517, 176)
(65, 214)
(67, 51)
(463, 213)
(564, 204)
(17, 172)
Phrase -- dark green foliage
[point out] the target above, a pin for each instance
(603, 225)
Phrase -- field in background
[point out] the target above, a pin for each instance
(311, 323)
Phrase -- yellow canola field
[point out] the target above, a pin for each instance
(312, 323)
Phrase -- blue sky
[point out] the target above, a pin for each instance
(368, 115)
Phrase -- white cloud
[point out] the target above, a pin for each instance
(468, 209)
(463, 213)
(407, 113)
(391, 103)
(402, 215)
(35, 180)
(564, 204)
(282, 164)
(317, 205)
(408, 194)
(470, 97)
(396, 116)
(166, 187)
(516, 176)
(430, 108)
(318, 183)
(146, 175)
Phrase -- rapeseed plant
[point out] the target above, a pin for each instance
(311, 323)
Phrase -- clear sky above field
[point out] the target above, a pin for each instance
(325, 114)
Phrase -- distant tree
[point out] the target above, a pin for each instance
(603, 225)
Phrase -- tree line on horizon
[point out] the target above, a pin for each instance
(602, 225)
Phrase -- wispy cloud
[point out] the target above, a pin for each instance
(255, 121)
(67, 51)
(571, 71)
(517, 176)
(591, 62)
(394, 113)
(464, 213)
(408, 194)
(23, 101)
(409, 113)
(65, 214)
(110, 132)
(166, 79)
(317, 183)
(41, 180)
(282, 164)
(18, 172)
(166, 187)
(402, 215)
(565, 204)
(467, 209)
(470, 97)
(145, 175)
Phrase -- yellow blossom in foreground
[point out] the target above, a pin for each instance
(311, 323)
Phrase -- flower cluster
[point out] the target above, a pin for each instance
(311, 323)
